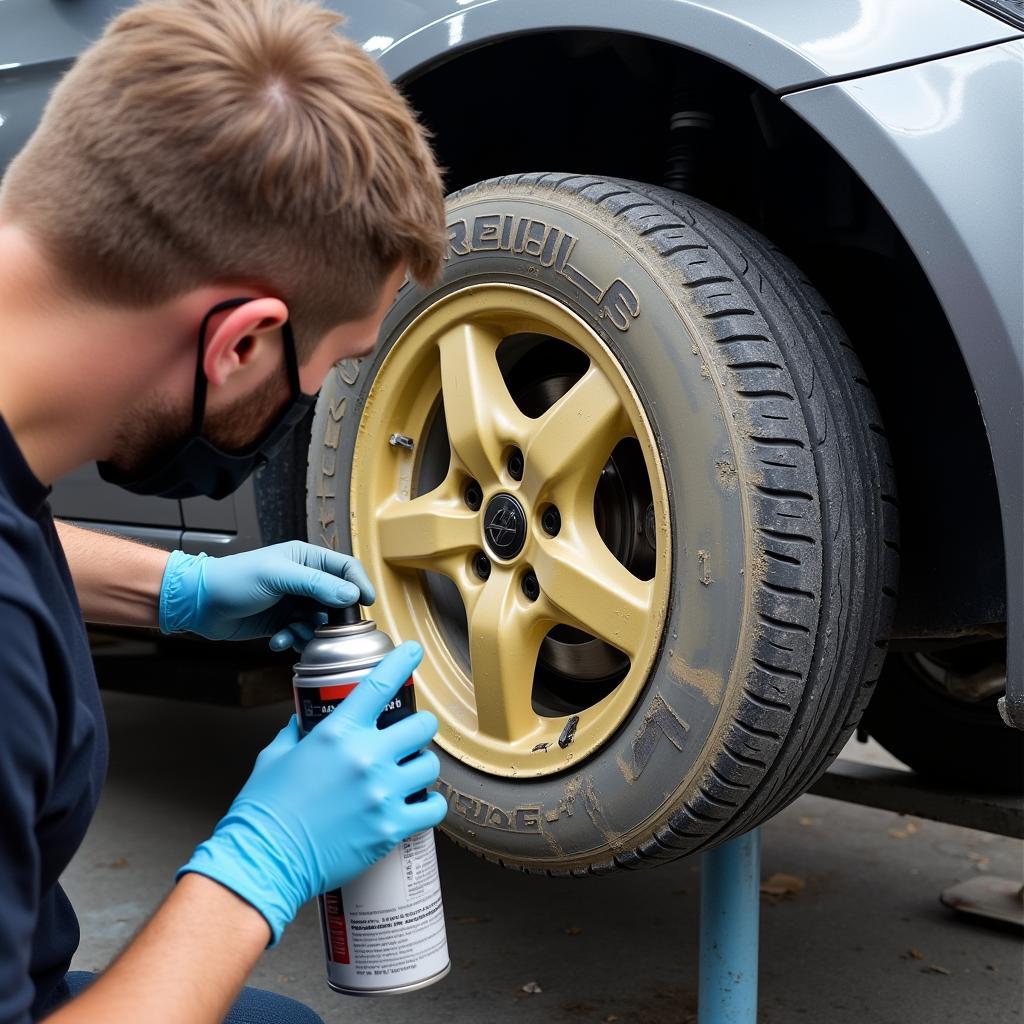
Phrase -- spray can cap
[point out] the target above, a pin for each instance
(347, 616)
(345, 643)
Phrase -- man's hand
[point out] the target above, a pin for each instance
(317, 812)
(279, 590)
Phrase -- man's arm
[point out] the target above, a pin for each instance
(118, 581)
(278, 591)
(185, 967)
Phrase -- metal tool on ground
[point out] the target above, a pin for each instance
(384, 932)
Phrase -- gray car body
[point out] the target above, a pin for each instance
(901, 89)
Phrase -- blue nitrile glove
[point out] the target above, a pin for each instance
(280, 589)
(316, 813)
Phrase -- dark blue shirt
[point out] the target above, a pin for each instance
(53, 743)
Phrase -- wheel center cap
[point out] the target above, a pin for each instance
(505, 526)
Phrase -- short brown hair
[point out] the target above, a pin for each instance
(207, 141)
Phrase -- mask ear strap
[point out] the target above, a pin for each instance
(199, 388)
(291, 358)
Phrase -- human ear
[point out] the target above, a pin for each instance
(234, 337)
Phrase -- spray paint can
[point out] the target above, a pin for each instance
(384, 932)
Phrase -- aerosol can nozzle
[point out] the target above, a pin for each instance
(347, 616)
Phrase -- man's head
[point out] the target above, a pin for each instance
(206, 149)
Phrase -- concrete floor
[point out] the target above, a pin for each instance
(865, 941)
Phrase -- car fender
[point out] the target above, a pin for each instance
(940, 144)
(782, 44)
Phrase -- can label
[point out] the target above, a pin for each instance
(385, 930)
(314, 703)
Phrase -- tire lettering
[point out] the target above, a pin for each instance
(332, 432)
(348, 370)
(619, 303)
(458, 244)
(659, 721)
(486, 233)
(551, 247)
(485, 815)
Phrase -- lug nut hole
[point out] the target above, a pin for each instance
(515, 464)
(531, 588)
(551, 521)
(481, 565)
(473, 496)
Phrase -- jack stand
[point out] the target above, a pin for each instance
(729, 919)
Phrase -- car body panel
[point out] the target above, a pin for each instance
(152, 536)
(82, 494)
(940, 145)
(222, 527)
(783, 44)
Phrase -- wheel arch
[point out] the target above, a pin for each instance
(830, 220)
(776, 44)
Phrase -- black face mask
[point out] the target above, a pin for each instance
(196, 466)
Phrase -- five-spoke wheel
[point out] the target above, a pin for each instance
(535, 489)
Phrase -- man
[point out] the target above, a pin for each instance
(220, 202)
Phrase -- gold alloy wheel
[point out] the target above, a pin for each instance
(519, 575)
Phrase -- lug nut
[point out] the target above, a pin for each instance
(531, 588)
(515, 464)
(551, 521)
(473, 496)
(481, 565)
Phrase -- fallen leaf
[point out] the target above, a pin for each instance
(781, 885)
(936, 969)
(911, 827)
(574, 930)
(121, 862)
(532, 988)
(980, 860)
(897, 833)
(806, 821)
(916, 953)
(611, 1018)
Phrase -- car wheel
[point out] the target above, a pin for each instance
(620, 472)
(937, 713)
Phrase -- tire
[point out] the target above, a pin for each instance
(961, 743)
(784, 553)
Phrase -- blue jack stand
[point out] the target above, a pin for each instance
(729, 918)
